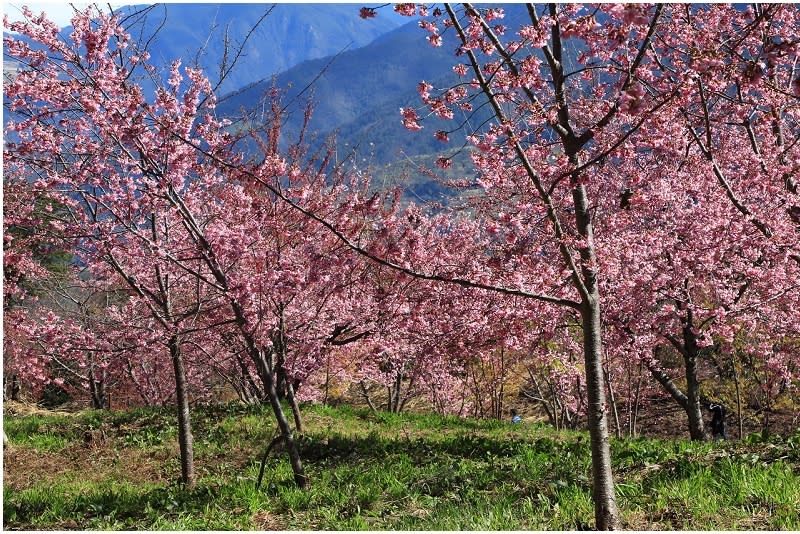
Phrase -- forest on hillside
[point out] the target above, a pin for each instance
(618, 243)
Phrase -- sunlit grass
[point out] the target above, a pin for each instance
(379, 472)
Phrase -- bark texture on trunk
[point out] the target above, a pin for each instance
(185, 439)
(606, 514)
(605, 503)
(691, 352)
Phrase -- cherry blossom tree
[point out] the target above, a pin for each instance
(302, 282)
(576, 89)
(161, 199)
(143, 205)
(31, 257)
(612, 140)
(74, 335)
(703, 277)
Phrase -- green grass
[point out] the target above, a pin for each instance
(118, 470)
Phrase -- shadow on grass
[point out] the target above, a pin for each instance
(338, 448)
(126, 506)
(459, 464)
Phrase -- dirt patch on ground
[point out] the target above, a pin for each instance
(666, 420)
(24, 467)
(268, 521)
(28, 408)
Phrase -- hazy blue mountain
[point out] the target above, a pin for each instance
(359, 92)
(290, 34)
(357, 96)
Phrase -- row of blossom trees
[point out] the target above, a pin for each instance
(641, 169)
(637, 199)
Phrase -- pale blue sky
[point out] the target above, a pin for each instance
(58, 12)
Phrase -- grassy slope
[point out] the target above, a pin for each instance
(116, 470)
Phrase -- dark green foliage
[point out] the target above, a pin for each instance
(53, 396)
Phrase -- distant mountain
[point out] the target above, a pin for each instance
(290, 34)
(358, 73)
(359, 92)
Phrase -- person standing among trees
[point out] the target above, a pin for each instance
(717, 421)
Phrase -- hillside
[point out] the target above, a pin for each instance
(291, 34)
(358, 93)
(377, 471)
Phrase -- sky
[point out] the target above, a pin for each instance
(60, 12)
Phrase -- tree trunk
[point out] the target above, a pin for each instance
(98, 396)
(693, 408)
(606, 514)
(501, 398)
(397, 392)
(367, 398)
(185, 439)
(690, 400)
(637, 397)
(538, 396)
(562, 415)
(298, 420)
(12, 391)
(767, 408)
(281, 383)
(272, 395)
(738, 394)
(250, 392)
(97, 391)
(405, 399)
(327, 377)
(605, 504)
(251, 347)
(286, 430)
(613, 399)
(690, 354)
